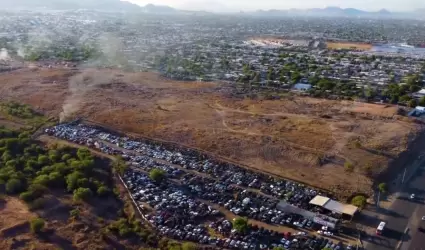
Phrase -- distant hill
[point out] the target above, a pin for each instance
(110, 5)
(337, 12)
(106, 5)
(117, 5)
(150, 8)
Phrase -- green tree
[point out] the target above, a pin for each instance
(27, 196)
(119, 165)
(43, 160)
(382, 187)
(422, 101)
(84, 154)
(413, 103)
(359, 201)
(240, 224)
(295, 77)
(72, 180)
(42, 180)
(82, 194)
(66, 157)
(404, 98)
(157, 175)
(278, 248)
(37, 225)
(103, 191)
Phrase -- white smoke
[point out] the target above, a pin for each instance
(79, 85)
(21, 52)
(4, 55)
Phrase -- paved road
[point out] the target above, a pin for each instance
(403, 219)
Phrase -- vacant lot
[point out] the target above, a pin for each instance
(305, 139)
(346, 45)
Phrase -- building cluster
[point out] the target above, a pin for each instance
(201, 194)
(250, 53)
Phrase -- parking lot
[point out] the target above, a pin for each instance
(185, 206)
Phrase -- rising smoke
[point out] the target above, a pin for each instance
(79, 85)
(4, 55)
(112, 55)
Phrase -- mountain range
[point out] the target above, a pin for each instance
(117, 5)
(338, 12)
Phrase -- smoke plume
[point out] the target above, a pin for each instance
(79, 85)
(4, 55)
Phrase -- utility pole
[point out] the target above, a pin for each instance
(379, 196)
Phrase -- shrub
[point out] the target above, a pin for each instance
(14, 186)
(38, 204)
(27, 196)
(359, 201)
(37, 189)
(382, 187)
(37, 225)
(349, 167)
(75, 213)
(102, 191)
(157, 175)
(240, 224)
(188, 246)
(82, 194)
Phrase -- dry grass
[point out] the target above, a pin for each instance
(342, 45)
(304, 139)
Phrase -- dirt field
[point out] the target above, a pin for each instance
(343, 45)
(299, 138)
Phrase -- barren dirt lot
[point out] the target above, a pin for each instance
(305, 139)
(342, 45)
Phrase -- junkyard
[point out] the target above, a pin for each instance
(184, 207)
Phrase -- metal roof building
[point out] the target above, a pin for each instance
(334, 206)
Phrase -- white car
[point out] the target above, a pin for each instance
(412, 196)
(423, 217)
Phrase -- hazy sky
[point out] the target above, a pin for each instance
(236, 5)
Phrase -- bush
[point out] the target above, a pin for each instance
(74, 213)
(157, 175)
(14, 186)
(188, 246)
(349, 167)
(37, 225)
(359, 201)
(37, 189)
(27, 196)
(382, 187)
(102, 191)
(82, 194)
(240, 224)
(38, 204)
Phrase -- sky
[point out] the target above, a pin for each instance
(249, 5)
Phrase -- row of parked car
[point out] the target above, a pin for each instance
(179, 212)
(226, 173)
